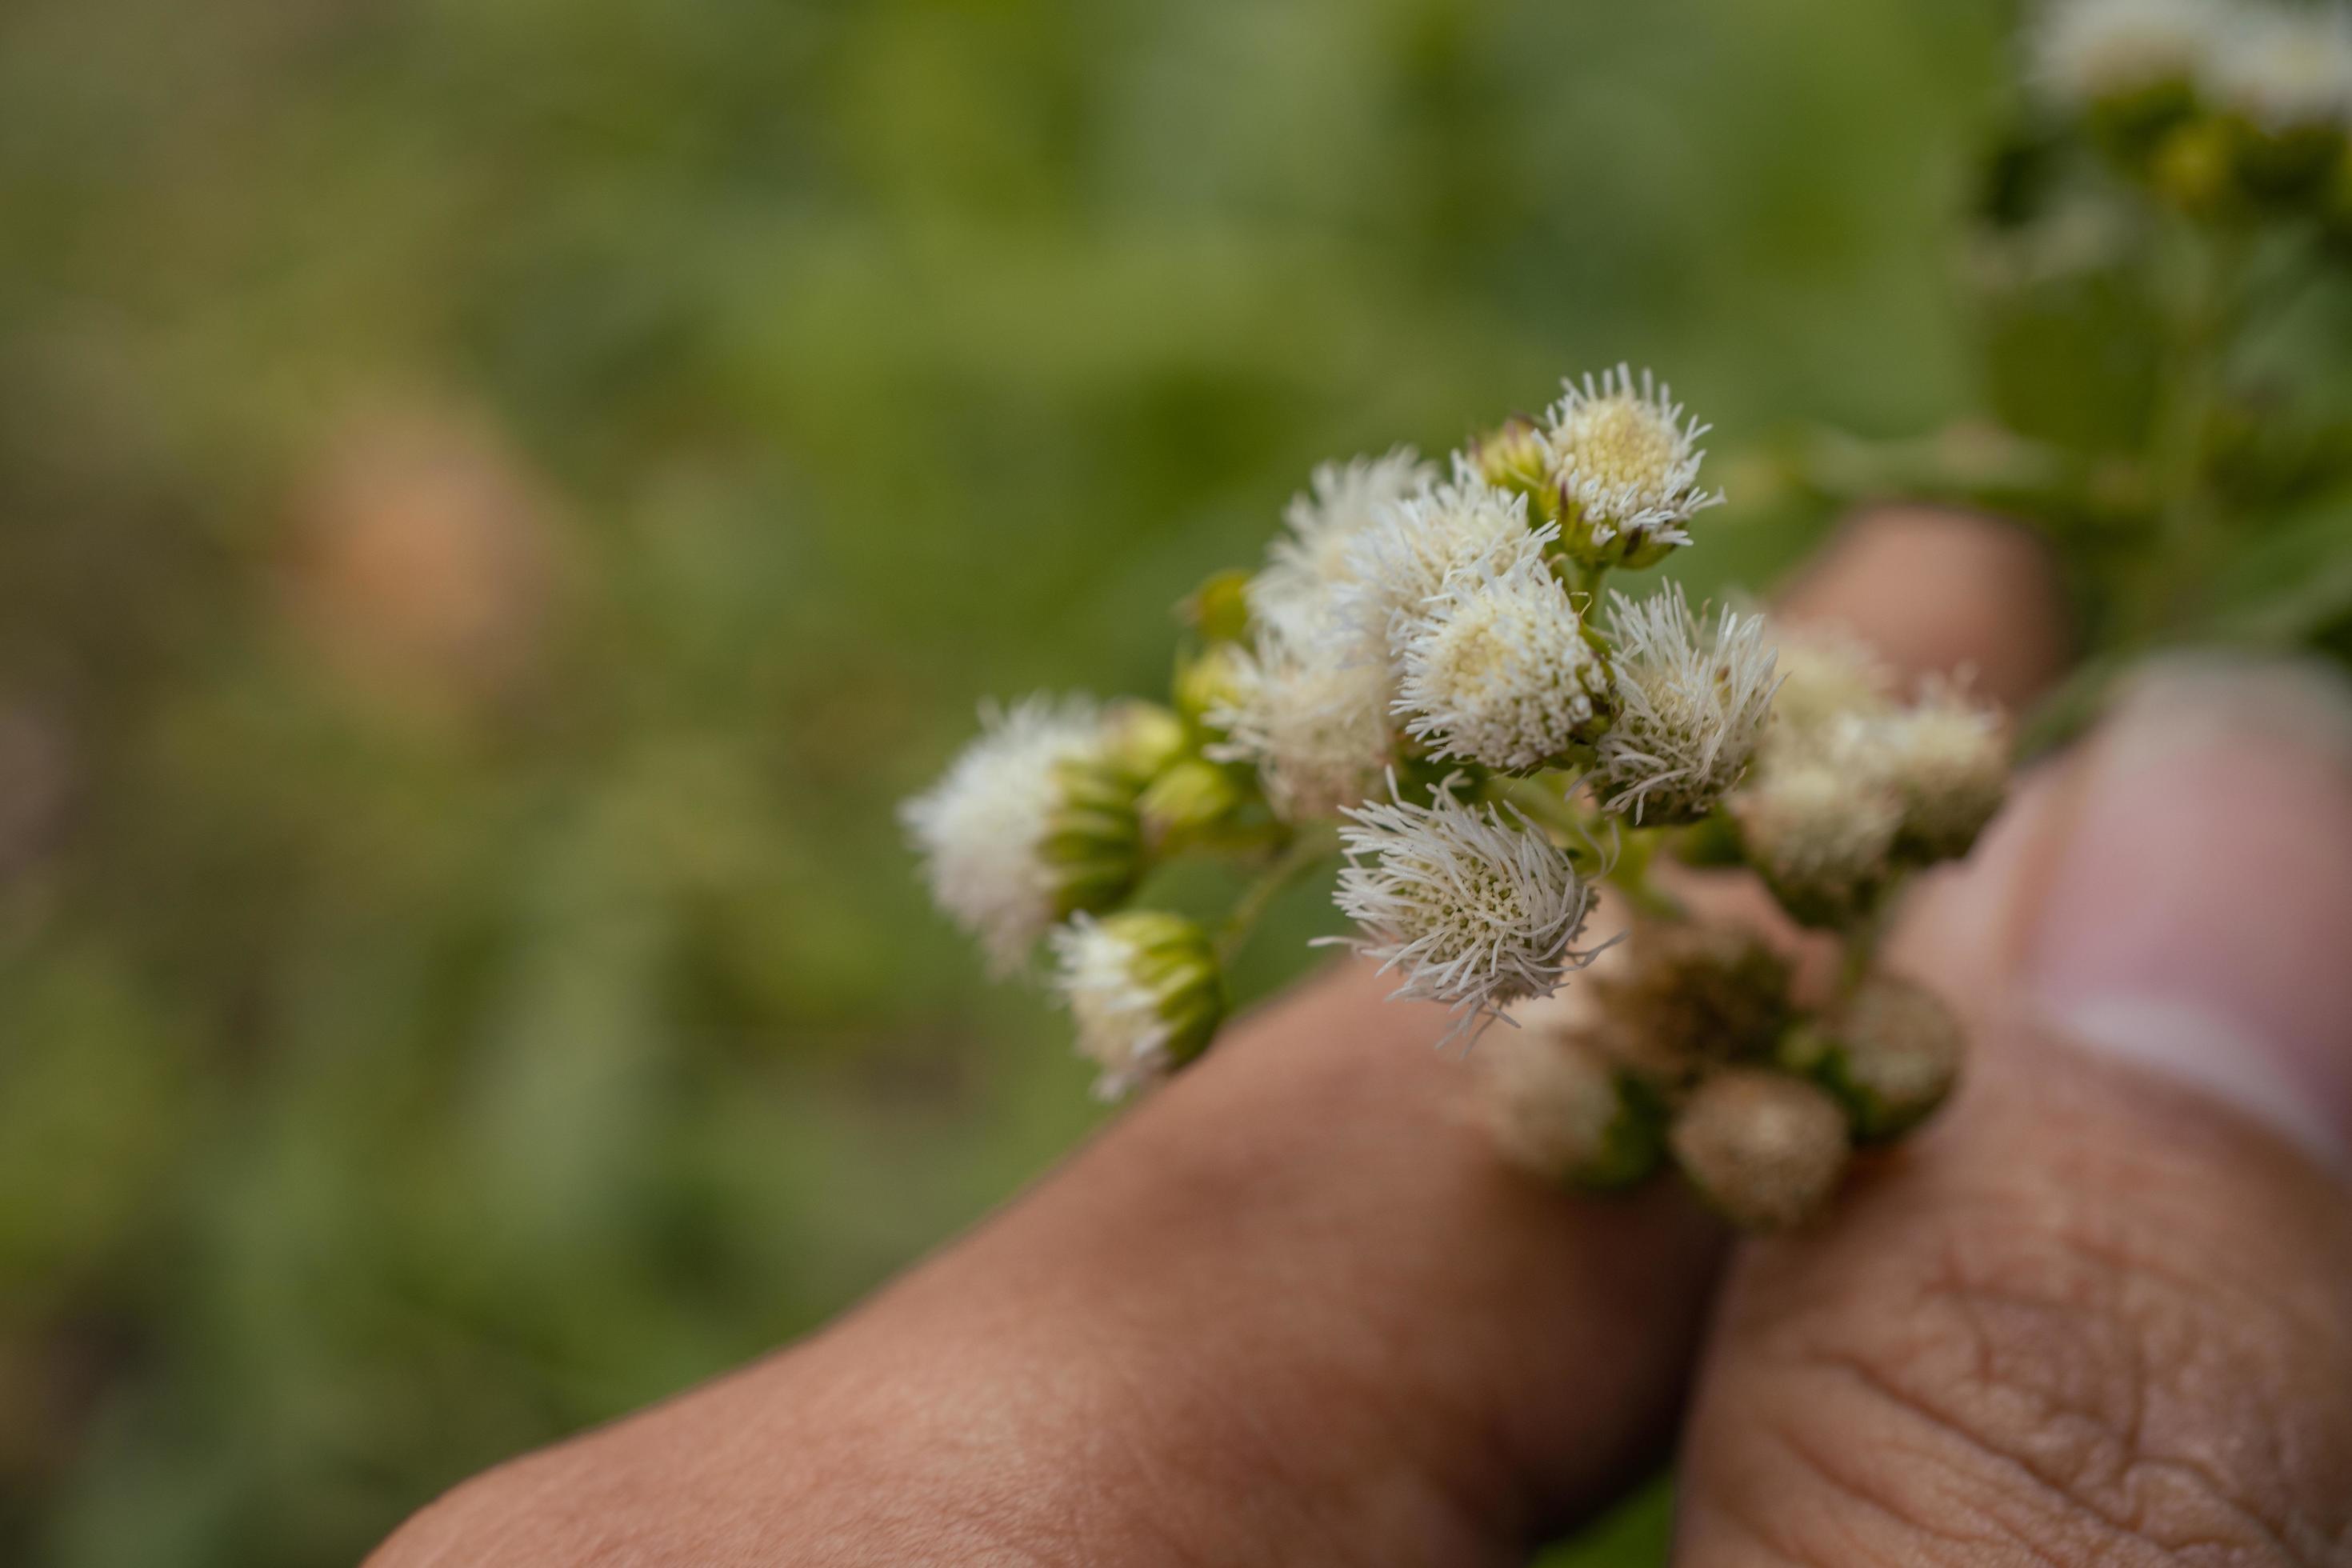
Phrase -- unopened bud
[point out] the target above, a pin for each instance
(1890, 1055)
(1092, 849)
(1210, 680)
(1763, 1148)
(1140, 739)
(1513, 457)
(1188, 801)
(1560, 1110)
(1219, 608)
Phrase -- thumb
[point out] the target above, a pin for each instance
(2102, 1312)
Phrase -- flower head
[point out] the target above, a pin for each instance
(981, 829)
(1625, 464)
(1766, 1149)
(1406, 557)
(1144, 990)
(1312, 713)
(1948, 759)
(1496, 668)
(1823, 834)
(1826, 673)
(1469, 909)
(2090, 51)
(2286, 67)
(1305, 566)
(1692, 698)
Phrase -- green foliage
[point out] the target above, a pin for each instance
(497, 500)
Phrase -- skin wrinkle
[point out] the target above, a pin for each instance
(1822, 1462)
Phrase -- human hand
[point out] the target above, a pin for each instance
(1293, 1309)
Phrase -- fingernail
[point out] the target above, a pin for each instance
(2199, 917)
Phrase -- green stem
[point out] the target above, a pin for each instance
(1304, 851)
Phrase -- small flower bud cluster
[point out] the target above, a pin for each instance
(1689, 1048)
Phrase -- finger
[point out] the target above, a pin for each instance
(2103, 1311)
(1292, 1309)
(1937, 590)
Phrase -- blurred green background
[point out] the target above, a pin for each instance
(498, 497)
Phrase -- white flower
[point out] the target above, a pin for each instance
(1822, 834)
(1306, 565)
(1406, 557)
(2286, 69)
(2086, 50)
(1312, 712)
(1826, 673)
(1692, 703)
(1625, 459)
(1469, 909)
(1143, 989)
(1945, 757)
(981, 829)
(1496, 668)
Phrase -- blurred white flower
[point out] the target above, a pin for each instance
(1945, 757)
(980, 829)
(1822, 834)
(1692, 703)
(1311, 710)
(2083, 51)
(1143, 989)
(2286, 67)
(1495, 669)
(1625, 459)
(1406, 557)
(1469, 909)
(1826, 673)
(1306, 565)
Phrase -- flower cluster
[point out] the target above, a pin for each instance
(1429, 680)
(2223, 106)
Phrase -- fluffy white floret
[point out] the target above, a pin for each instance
(2086, 50)
(1468, 909)
(1406, 558)
(1306, 564)
(1823, 835)
(1311, 711)
(979, 829)
(2286, 69)
(1496, 669)
(1693, 699)
(1625, 459)
(1946, 758)
(1120, 1027)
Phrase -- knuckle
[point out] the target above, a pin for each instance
(2076, 1384)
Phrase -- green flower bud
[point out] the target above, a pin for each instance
(1092, 848)
(1219, 608)
(1209, 680)
(1187, 803)
(1141, 740)
(1513, 457)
